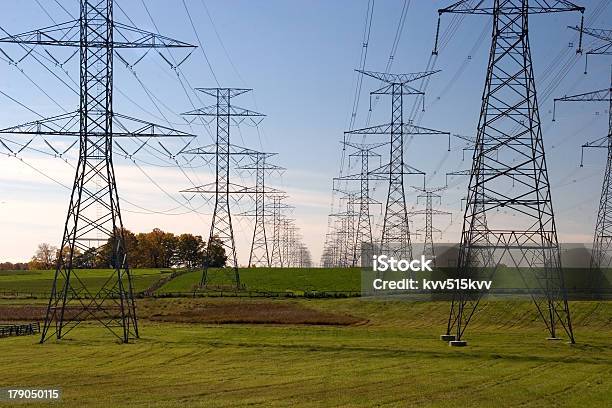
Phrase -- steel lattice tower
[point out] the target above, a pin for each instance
(259, 254)
(286, 232)
(328, 257)
(395, 240)
(286, 243)
(277, 206)
(509, 173)
(345, 232)
(363, 230)
(296, 246)
(429, 195)
(223, 113)
(601, 255)
(305, 259)
(94, 219)
(293, 248)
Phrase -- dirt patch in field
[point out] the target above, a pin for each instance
(22, 313)
(204, 311)
(245, 311)
(10, 313)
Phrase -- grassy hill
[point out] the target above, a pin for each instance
(41, 281)
(278, 279)
(295, 280)
(256, 279)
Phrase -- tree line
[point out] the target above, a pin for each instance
(155, 249)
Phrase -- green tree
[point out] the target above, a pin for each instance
(65, 255)
(44, 257)
(190, 251)
(18, 266)
(102, 257)
(157, 248)
(88, 259)
(215, 254)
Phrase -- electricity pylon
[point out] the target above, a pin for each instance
(509, 215)
(395, 240)
(293, 245)
(295, 252)
(287, 238)
(345, 232)
(329, 257)
(429, 195)
(259, 254)
(305, 260)
(93, 224)
(298, 249)
(363, 231)
(276, 206)
(223, 113)
(601, 255)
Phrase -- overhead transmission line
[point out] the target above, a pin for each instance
(355, 104)
(201, 46)
(211, 68)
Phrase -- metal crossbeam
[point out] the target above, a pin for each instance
(510, 7)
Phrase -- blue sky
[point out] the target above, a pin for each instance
(299, 56)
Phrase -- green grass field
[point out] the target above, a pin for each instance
(393, 359)
(279, 280)
(255, 279)
(201, 352)
(295, 280)
(41, 281)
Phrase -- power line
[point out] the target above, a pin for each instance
(200, 43)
